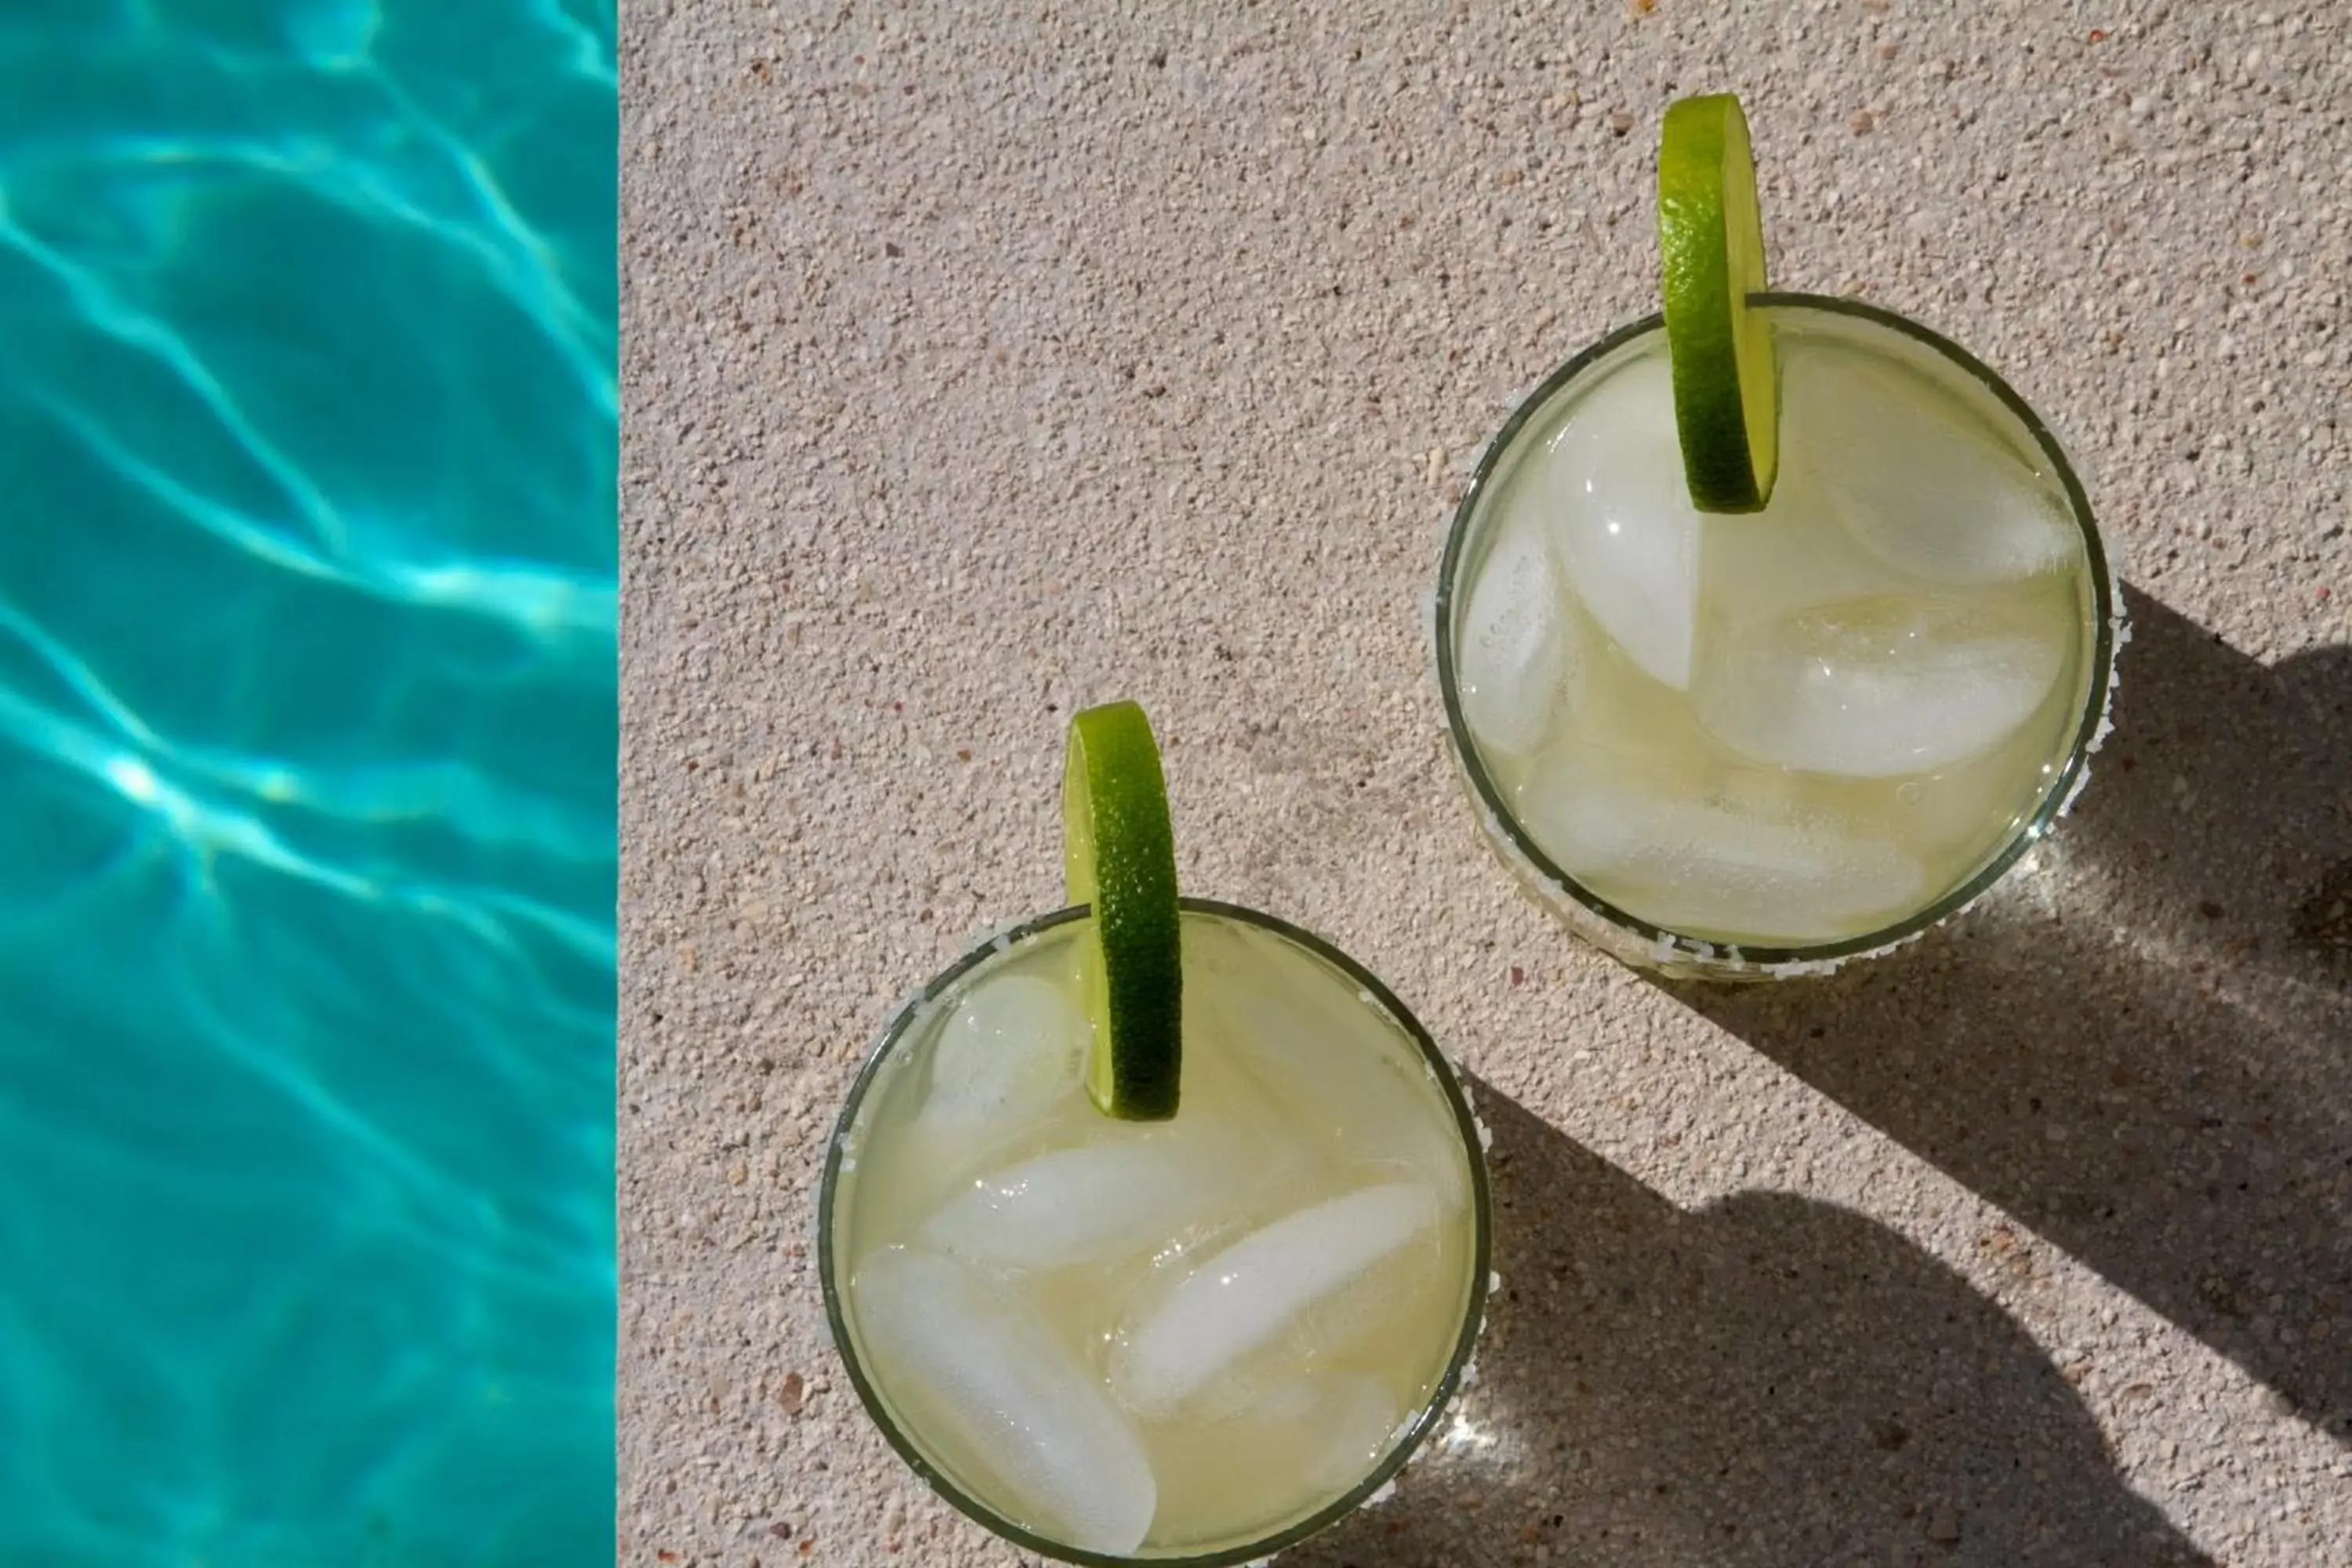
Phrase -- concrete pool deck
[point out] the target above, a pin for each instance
(983, 363)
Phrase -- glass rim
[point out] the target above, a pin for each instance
(2056, 796)
(1424, 1420)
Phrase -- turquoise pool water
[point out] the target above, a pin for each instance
(307, 760)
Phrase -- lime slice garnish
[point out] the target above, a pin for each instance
(1711, 240)
(1119, 854)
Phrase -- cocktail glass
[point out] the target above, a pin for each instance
(1758, 745)
(1197, 1341)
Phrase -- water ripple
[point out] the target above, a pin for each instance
(307, 620)
(539, 598)
(101, 307)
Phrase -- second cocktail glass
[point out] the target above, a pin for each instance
(1759, 742)
(1763, 744)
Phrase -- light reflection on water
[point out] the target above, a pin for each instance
(308, 600)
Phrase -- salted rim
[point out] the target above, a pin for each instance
(1415, 1429)
(1669, 948)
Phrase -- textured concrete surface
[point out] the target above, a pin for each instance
(984, 362)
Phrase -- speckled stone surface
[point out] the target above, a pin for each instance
(982, 362)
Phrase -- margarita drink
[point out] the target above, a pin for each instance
(1800, 731)
(1196, 1338)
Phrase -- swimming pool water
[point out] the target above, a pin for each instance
(307, 761)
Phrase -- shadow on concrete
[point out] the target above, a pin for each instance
(1770, 1381)
(2142, 1048)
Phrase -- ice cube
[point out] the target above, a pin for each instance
(1667, 853)
(1929, 492)
(1309, 1438)
(1122, 1197)
(1622, 525)
(1790, 556)
(1304, 1036)
(999, 1404)
(1247, 1296)
(1518, 653)
(1013, 1046)
(1344, 1421)
(1875, 688)
(1974, 804)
